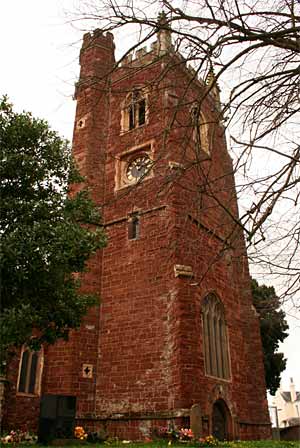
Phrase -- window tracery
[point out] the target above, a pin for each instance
(30, 371)
(134, 110)
(216, 353)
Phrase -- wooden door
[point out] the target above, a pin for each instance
(219, 423)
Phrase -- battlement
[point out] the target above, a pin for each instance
(99, 41)
(98, 37)
(143, 55)
(97, 58)
(146, 55)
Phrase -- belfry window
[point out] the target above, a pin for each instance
(200, 129)
(216, 352)
(30, 371)
(134, 111)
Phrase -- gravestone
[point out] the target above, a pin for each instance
(196, 420)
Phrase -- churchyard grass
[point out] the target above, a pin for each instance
(160, 444)
(233, 444)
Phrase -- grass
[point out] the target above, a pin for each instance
(163, 444)
(159, 444)
(233, 444)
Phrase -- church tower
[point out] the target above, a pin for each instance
(175, 339)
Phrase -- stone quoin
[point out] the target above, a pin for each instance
(175, 339)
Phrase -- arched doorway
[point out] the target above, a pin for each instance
(220, 420)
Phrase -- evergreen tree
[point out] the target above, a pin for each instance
(47, 234)
(273, 328)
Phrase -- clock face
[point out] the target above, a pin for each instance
(138, 168)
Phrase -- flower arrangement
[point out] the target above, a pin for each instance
(80, 433)
(208, 441)
(173, 434)
(185, 434)
(18, 436)
(163, 432)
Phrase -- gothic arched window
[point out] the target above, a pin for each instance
(216, 353)
(134, 110)
(30, 371)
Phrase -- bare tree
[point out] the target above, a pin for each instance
(252, 50)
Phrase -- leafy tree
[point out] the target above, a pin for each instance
(47, 233)
(273, 328)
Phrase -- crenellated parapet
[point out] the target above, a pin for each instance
(144, 56)
(97, 59)
(162, 49)
(97, 38)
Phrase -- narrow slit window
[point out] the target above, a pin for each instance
(23, 372)
(134, 228)
(33, 373)
(141, 112)
(131, 116)
(200, 130)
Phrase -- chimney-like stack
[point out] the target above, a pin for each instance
(293, 390)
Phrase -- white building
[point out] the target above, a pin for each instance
(288, 406)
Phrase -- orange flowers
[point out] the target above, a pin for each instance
(186, 434)
(80, 433)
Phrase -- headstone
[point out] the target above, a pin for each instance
(196, 420)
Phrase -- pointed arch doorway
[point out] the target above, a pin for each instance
(220, 420)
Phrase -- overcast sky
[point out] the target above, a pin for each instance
(39, 66)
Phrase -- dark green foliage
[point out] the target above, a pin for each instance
(46, 235)
(273, 328)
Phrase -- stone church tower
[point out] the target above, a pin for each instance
(175, 339)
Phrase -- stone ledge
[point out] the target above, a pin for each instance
(139, 415)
